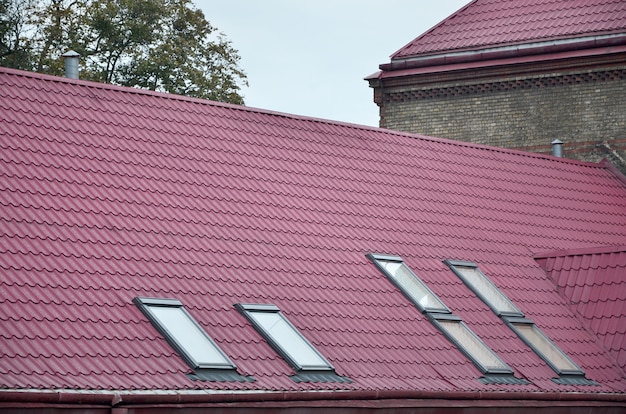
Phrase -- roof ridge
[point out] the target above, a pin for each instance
(511, 151)
(441, 23)
(314, 120)
(176, 97)
(580, 252)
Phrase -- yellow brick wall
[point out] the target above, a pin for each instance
(582, 109)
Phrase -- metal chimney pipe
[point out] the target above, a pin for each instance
(557, 148)
(71, 64)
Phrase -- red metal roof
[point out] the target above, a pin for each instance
(593, 281)
(494, 23)
(109, 193)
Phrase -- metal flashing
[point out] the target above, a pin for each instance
(219, 375)
(331, 377)
(503, 379)
(575, 380)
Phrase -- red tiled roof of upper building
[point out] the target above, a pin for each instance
(108, 193)
(492, 23)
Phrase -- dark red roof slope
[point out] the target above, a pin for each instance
(594, 281)
(495, 23)
(109, 193)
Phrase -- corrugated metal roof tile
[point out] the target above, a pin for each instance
(490, 23)
(596, 293)
(141, 194)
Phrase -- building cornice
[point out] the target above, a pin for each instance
(555, 64)
(508, 51)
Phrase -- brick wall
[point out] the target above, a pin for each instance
(583, 108)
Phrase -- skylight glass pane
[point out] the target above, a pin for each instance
(412, 286)
(483, 287)
(471, 344)
(189, 336)
(551, 353)
(291, 342)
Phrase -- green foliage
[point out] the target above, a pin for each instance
(119, 31)
(53, 29)
(186, 58)
(163, 45)
(14, 50)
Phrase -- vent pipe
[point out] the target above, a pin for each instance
(557, 148)
(71, 64)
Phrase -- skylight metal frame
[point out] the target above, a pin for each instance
(480, 292)
(512, 319)
(439, 321)
(378, 258)
(145, 305)
(248, 310)
(513, 324)
(441, 315)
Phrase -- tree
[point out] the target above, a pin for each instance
(14, 50)
(163, 45)
(186, 58)
(53, 25)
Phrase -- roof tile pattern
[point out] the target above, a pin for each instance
(109, 193)
(594, 282)
(491, 23)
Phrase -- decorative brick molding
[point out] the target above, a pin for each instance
(504, 86)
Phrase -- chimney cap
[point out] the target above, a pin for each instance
(557, 148)
(70, 54)
(71, 64)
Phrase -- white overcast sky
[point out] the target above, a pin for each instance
(310, 57)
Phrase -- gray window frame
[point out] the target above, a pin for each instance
(511, 322)
(144, 304)
(510, 319)
(453, 264)
(246, 309)
(436, 320)
(377, 258)
(435, 315)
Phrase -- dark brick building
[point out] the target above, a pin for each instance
(516, 74)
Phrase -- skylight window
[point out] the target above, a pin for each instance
(438, 313)
(476, 349)
(188, 338)
(284, 337)
(409, 284)
(183, 333)
(544, 347)
(484, 288)
(525, 328)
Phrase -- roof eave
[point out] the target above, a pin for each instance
(496, 61)
(599, 43)
(356, 398)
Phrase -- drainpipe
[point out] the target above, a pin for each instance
(557, 148)
(71, 64)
